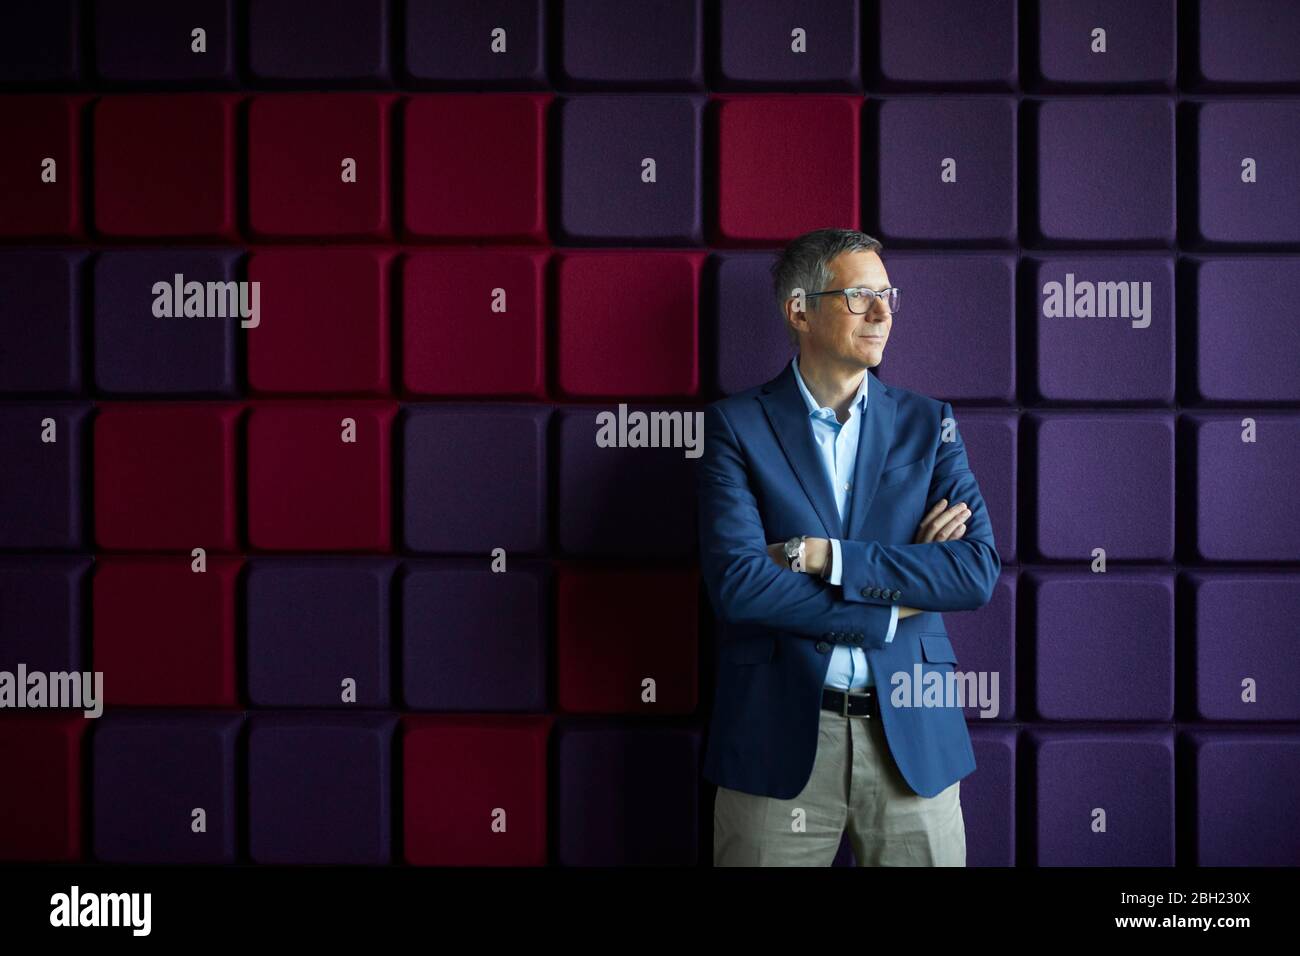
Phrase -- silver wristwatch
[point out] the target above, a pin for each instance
(795, 553)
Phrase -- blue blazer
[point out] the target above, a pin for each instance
(760, 480)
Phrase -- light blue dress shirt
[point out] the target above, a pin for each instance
(838, 447)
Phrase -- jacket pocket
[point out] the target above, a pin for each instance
(909, 472)
(936, 648)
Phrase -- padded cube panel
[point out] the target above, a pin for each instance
(320, 788)
(986, 644)
(475, 790)
(335, 299)
(1103, 644)
(758, 47)
(624, 500)
(607, 46)
(153, 772)
(40, 167)
(41, 295)
(41, 44)
(41, 803)
(770, 190)
(164, 476)
(154, 41)
(492, 185)
(1238, 514)
(1247, 347)
(1246, 798)
(139, 352)
(1089, 189)
(750, 341)
(1103, 328)
(165, 166)
(1255, 44)
(991, 440)
(319, 476)
(472, 323)
(317, 632)
(630, 170)
(318, 165)
(1244, 662)
(941, 43)
(1137, 45)
(460, 620)
(1103, 480)
(627, 794)
(444, 43)
(955, 333)
(474, 478)
(323, 40)
(164, 634)
(988, 798)
(627, 323)
(42, 459)
(1103, 798)
(1248, 161)
(606, 656)
(946, 168)
(42, 612)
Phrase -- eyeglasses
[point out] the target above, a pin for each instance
(861, 301)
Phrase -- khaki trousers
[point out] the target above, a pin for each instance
(855, 784)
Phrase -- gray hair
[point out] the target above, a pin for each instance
(805, 264)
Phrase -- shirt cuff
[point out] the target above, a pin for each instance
(893, 623)
(837, 565)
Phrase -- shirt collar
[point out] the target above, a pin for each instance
(859, 400)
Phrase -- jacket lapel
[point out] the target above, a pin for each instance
(788, 415)
(874, 439)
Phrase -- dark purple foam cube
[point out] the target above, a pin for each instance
(991, 448)
(988, 798)
(41, 43)
(1103, 644)
(320, 788)
(985, 642)
(460, 621)
(1247, 797)
(1241, 511)
(447, 43)
(1246, 665)
(138, 353)
(751, 343)
(315, 623)
(1089, 189)
(1247, 341)
(40, 319)
(43, 450)
(1103, 480)
(153, 40)
(152, 772)
(613, 46)
(755, 45)
(627, 795)
(624, 500)
(1229, 209)
(915, 139)
(328, 40)
(1103, 328)
(474, 478)
(42, 600)
(941, 43)
(1140, 43)
(1255, 44)
(954, 337)
(604, 143)
(1122, 780)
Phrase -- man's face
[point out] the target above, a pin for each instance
(836, 334)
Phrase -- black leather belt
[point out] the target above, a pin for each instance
(862, 703)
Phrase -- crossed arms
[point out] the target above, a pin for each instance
(746, 586)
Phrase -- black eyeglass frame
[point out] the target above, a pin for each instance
(875, 295)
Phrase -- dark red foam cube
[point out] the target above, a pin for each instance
(40, 802)
(474, 166)
(165, 165)
(472, 323)
(165, 476)
(334, 299)
(164, 633)
(40, 166)
(308, 488)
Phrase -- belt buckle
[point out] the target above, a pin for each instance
(844, 708)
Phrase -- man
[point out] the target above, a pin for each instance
(838, 518)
